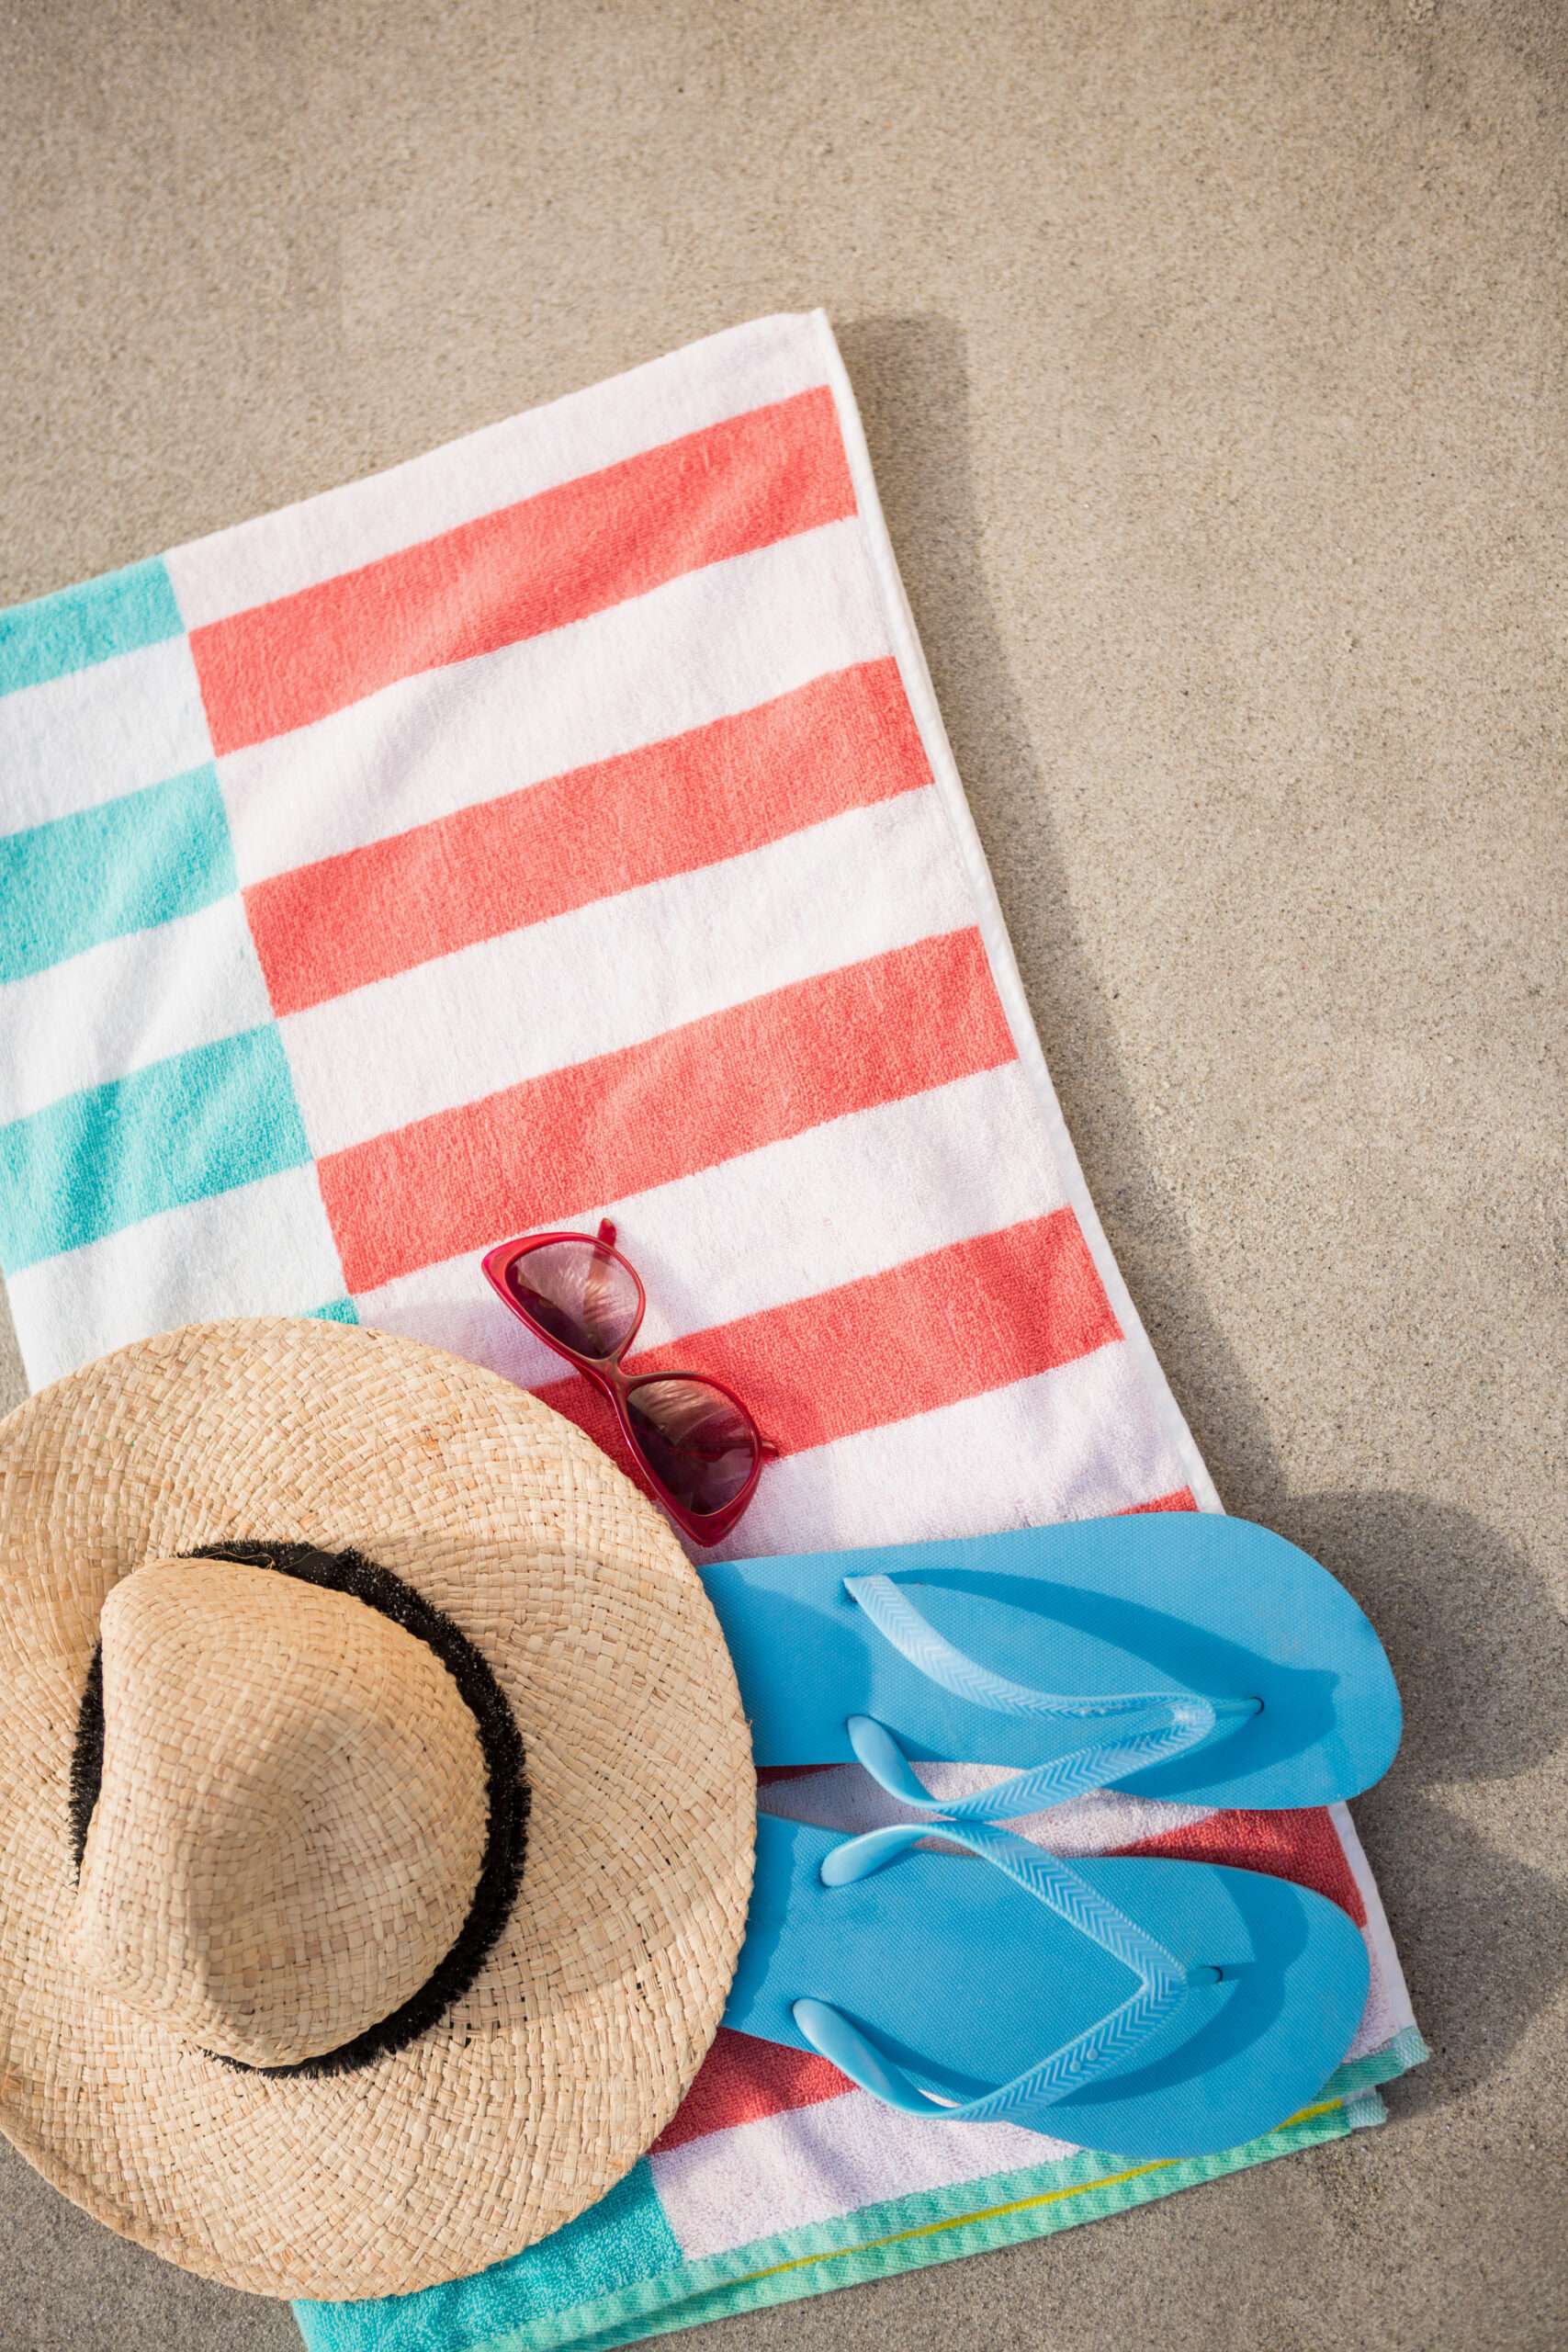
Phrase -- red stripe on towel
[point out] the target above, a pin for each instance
(1301, 1844)
(956, 1323)
(843, 741)
(533, 566)
(1182, 1499)
(743, 2080)
(540, 1152)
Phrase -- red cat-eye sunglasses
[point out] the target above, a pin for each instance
(694, 1440)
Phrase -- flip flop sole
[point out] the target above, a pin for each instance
(964, 1981)
(1155, 1602)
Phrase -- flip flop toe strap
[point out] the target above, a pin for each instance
(1139, 1729)
(1164, 1981)
(1147, 1735)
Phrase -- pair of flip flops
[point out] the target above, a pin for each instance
(1150, 2008)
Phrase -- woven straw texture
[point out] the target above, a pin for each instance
(542, 2084)
(291, 1817)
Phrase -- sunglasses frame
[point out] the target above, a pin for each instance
(616, 1385)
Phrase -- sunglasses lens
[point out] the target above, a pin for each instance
(701, 1447)
(579, 1294)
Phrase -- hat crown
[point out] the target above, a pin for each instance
(292, 1812)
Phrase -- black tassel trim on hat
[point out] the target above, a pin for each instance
(87, 1758)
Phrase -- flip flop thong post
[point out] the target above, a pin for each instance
(1145, 2009)
(1178, 1654)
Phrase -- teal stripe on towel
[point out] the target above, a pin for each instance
(77, 627)
(200, 1123)
(336, 1310)
(618, 2243)
(120, 868)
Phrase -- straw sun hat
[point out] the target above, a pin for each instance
(370, 1882)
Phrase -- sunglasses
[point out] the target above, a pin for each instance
(695, 1442)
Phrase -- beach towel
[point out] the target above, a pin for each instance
(562, 824)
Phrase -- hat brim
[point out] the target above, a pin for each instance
(542, 2085)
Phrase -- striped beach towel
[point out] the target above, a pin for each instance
(562, 824)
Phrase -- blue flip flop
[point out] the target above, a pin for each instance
(1178, 1654)
(1145, 2009)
